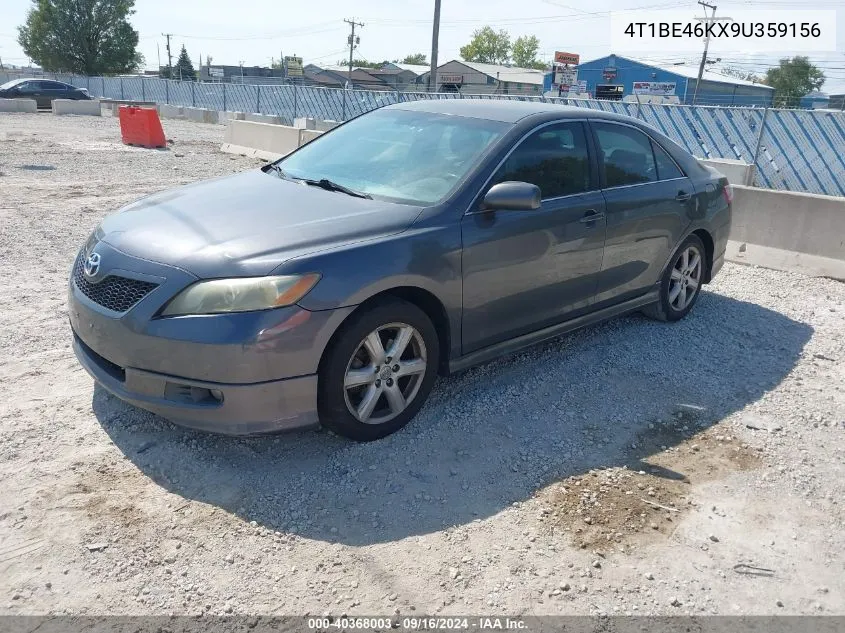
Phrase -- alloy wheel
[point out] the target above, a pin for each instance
(685, 279)
(385, 373)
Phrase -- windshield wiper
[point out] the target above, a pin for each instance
(278, 170)
(330, 185)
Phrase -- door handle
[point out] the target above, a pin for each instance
(683, 196)
(591, 216)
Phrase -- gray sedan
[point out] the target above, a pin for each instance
(335, 284)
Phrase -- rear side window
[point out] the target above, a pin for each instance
(625, 154)
(53, 85)
(555, 158)
(666, 167)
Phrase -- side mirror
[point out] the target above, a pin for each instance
(512, 196)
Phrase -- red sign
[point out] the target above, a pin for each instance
(570, 59)
(609, 73)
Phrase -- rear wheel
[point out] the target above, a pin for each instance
(378, 372)
(681, 282)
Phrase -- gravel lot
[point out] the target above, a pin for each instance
(634, 467)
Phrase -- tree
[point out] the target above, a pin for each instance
(739, 73)
(792, 79)
(417, 58)
(89, 37)
(488, 46)
(360, 63)
(525, 52)
(184, 69)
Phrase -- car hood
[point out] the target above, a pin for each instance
(247, 224)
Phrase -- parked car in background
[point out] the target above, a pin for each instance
(420, 238)
(42, 90)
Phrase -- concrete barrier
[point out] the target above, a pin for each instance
(201, 115)
(306, 136)
(224, 116)
(325, 126)
(18, 105)
(113, 105)
(262, 118)
(261, 140)
(72, 106)
(167, 111)
(736, 171)
(802, 232)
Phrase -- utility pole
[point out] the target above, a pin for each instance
(706, 44)
(241, 64)
(353, 42)
(169, 56)
(435, 36)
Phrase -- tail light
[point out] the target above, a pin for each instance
(728, 192)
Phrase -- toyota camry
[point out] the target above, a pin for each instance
(333, 285)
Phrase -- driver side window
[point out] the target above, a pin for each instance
(555, 158)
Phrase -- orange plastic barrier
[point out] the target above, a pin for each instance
(141, 126)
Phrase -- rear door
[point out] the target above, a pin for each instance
(524, 270)
(648, 199)
(56, 90)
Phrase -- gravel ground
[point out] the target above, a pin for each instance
(633, 467)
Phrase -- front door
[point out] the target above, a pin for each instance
(524, 270)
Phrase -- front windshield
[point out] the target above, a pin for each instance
(9, 84)
(400, 155)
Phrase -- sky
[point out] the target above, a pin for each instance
(255, 31)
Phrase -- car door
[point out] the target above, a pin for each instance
(56, 90)
(523, 270)
(648, 199)
(30, 90)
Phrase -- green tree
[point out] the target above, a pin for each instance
(184, 69)
(360, 63)
(89, 37)
(417, 58)
(525, 52)
(792, 79)
(488, 46)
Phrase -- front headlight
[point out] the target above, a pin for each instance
(241, 294)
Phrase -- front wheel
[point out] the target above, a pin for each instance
(681, 282)
(378, 372)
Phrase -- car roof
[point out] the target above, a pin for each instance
(505, 110)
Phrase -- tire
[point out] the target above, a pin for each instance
(671, 305)
(369, 408)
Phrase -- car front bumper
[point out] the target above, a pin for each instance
(237, 374)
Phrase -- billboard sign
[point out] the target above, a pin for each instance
(660, 88)
(215, 72)
(568, 59)
(293, 66)
(566, 77)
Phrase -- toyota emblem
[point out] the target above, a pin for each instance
(92, 265)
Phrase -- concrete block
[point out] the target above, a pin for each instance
(261, 140)
(71, 106)
(306, 136)
(223, 116)
(263, 118)
(325, 126)
(736, 171)
(18, 105)
(305, 123)
(166, 111)
(779, 259)
(200, 115)
(786, 220)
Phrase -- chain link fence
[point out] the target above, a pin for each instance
(795, 150)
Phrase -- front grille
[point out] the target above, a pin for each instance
(113, 292)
